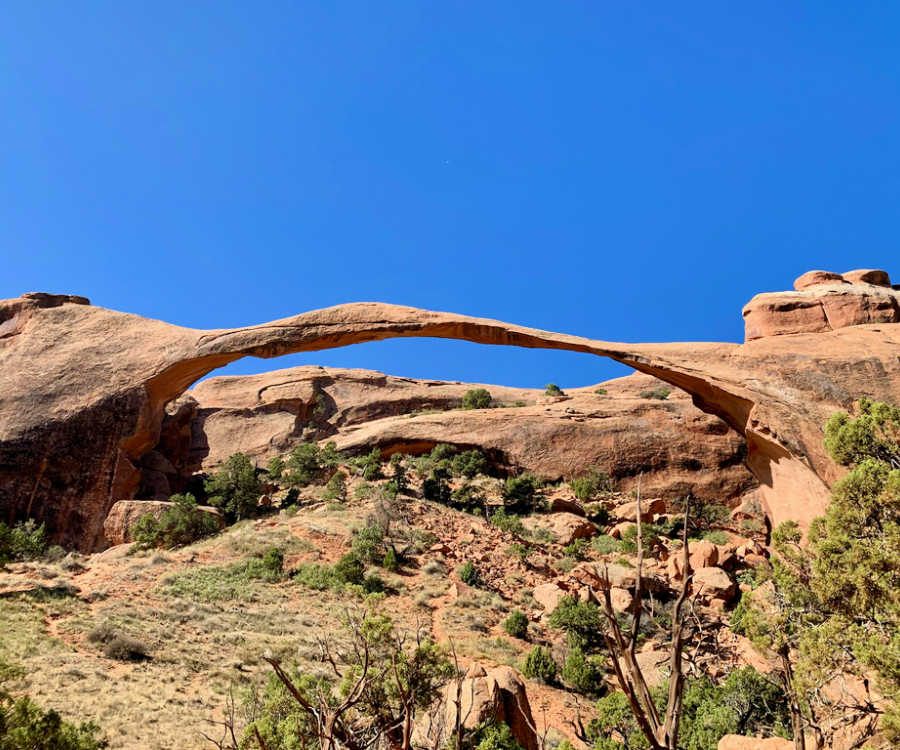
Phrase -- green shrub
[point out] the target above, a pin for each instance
(650, 534)
(364, 491)
(26, 726)
(476, 398)
(469, 574)
(275, 468)
(589, 485)
(605, 544)
(336, 489)
(564, 564)
(390, 562)
(539, 665)
(468, 463)
(308, 462)
(368, 544)
(467, 498)
(235, 488)
(436, 490)
(520, 495)
(600, 391)
(507, 522)
(716, 537)
(518, 550)
(24, 541)
(368, 466)
(578, 549)
(582, 622)
(552, 389)
(516, 624)
(583, 673)
(492, 737)
(401, 482)
(273, 562)
(212, 583)
(660, 393)
(183, 523)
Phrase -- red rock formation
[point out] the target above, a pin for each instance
(823, 301)
(119, 524)
(677, 448)
(83, 392)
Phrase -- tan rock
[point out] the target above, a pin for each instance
(817, 278)
(621, 599)
(650, 507)
(549, 594)
(494, 695)
(868, 276)
(566, 504)
(736, 742)
(703, 554)
(119, 524)
(565, 527)
(712, 583)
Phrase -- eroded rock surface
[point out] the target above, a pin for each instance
(674, 446)
(83, 392)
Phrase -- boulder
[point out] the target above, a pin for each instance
(621, 599)
(817, 278)
(650, 508)
(566, 504)
(712, 583)
(565, 527)
(737, 742)
(549, 594)
(868, 276)
(494, 695)
(119, 524)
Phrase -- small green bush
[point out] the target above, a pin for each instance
(552, 389)
(336, 489)
(581, 621)
(117, 645)
(476, 398)
(183, 523)
(539, 665)
(308, 462)
(578, 549)
(469, 574)
(26, 726)
(492, 736)
(605, 544)
(24, 541)
(507, 522)
(436, 490)
(368, 466)
(600, 391)
(520, 495)
(275, 468)
(516, 624)
(660, 394)
(273, 562)
(368, 544)
(390, 562)
(716, 537)
(235, 488)
(519, 551)
(589, 485)
(584, 673)
(468, 463)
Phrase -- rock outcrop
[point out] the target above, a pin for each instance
(823, 301)
(83, 392)
(497, 695)
(674, 446)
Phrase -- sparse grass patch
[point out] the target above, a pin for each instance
(239, 581)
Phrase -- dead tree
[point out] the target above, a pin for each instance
(660, 731)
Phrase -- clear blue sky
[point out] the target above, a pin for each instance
(620, 170)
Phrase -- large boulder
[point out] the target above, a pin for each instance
(119, 524)
(495, 695)
(565, 527)
(737, 742)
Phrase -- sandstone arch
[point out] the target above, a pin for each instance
(83, 388)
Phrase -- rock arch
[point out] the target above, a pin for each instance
(83, 391)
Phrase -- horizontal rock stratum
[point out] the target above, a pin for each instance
(83, 392)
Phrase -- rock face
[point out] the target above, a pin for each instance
(677, 448)
(824, 301)
(83, 391)
(119, 524)
(496, 695)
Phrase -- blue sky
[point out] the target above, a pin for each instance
(628, 171)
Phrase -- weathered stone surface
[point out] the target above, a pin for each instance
(817, 278)
(650, 507)
(712, 583)
(497, 695)
(549, 594)
(565, 527)
(823, 302)
(73, 428)
(119, 524)
(736, 742)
